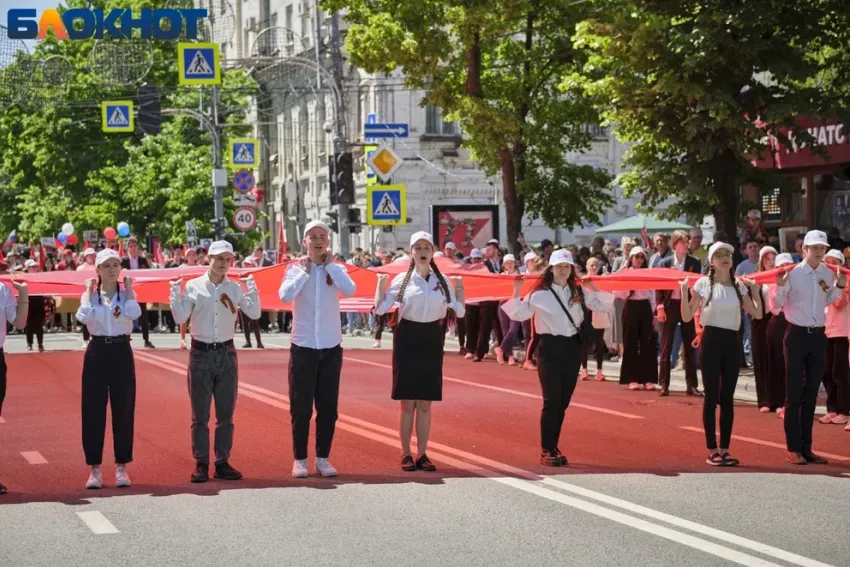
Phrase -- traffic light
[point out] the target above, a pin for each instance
(332, 179)
(354, 219)
(344, 176)
(333, 223)
(150, 117)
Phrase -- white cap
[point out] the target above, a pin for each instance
(509, 258)
(421, 235)
(815, 238)
(637, 250)
(104, 255)
(528, 257)
(493, 241)
(89, 252)
(784, 259)
(831, 254)
(220, 247)
(476, 253)
(439, 255)
(451, 245)
(754, 214)
(767, 250)
(249, 260)
(561, 257)
(30, 264)
(316, 224)
(719, 246)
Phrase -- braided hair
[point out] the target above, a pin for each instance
(117, 291)
(711, 288)
(394, 318)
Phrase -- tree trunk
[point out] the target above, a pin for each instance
(725, 169)
(473, 68)
(513, 220)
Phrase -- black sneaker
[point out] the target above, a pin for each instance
(423, 463)
(202, 473)
(563, 457)
(407, 464)
(550, 458)
(716, 460)
(2, 489)
(225, 472)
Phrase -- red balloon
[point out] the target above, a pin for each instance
(109, 233)
(71, 239)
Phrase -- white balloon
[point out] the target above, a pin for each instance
(68, 228)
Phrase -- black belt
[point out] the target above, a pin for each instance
(202, 346)
(111, 340)
(812, 329)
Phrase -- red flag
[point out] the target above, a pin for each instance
(121, 247)
(157, 253)
(281, 239)
(42, 257)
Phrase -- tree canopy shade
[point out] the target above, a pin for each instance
(698, 86)
(496, 68)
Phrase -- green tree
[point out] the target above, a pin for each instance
(495, 67)
(700, 86)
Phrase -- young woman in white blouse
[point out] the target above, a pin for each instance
(776, 328)
(422, 297)
(716, 303)
(109, 372)
(836, 379)
(557, 304)
(640, 357)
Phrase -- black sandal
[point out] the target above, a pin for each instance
(423, 463)
(715, 459)
(407, 464)
(730, 461)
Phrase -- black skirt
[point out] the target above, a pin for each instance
(418, 361)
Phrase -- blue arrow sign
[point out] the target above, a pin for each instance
(385, 130)
(371, 118)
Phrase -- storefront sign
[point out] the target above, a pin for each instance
(834, 138)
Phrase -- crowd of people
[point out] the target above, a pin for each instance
(794, 328)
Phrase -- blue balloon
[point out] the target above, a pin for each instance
(62, 237)
(123, 229)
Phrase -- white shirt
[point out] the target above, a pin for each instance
(549, 317)
(803, 297)
(8, 310)
(768, 291)
(134, 262)
(837, 318)
(724, 311)
(424, 300)
(86, 268)
(212, 320)
(637, 295)
(677, 265)
(315, 304)
(98, 314)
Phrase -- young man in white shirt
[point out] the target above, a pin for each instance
(12, 311)
(213, 302)
(803, 293)
(315, 356)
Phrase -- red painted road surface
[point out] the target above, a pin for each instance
(490, 414)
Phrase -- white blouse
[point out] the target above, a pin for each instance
(103, 319)
(424, 300)
(549, 317)
(724, 311)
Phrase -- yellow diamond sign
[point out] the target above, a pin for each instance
(384, 162)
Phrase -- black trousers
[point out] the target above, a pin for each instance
(639, 348)
(380, 321)
(761, 358)
(473, 326)
(558, 361)
(720, 361)
(2, 379)
(804, 363)
(776, 328)
(489, 323)
(594, 340)
(35, 321)
(836, 379)
(109, 376)
(313, 378)
(668, 333)
(249, 325)
(146, 323)
(461, 329)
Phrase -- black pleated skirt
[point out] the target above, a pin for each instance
(418, 361)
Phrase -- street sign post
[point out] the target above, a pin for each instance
(117, 116)
(386, 205)
(385, 130)
(199, 64)
(244, 219)
(244, 153)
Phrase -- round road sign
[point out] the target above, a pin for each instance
(244, 219)
(243, 181)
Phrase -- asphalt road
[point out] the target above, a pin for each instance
(637, 491)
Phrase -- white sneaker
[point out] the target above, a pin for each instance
(377, 344)
(95, 479)
(299, 469)
(839, 420)
(828, 417)
(122, 479)
(324, 467)
(847, 428)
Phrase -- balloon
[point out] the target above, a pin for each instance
(109, 233)
(123, 229)
(68, 228)
(72, 239)
(62, 237)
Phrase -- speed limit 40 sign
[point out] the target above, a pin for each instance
(244, 219)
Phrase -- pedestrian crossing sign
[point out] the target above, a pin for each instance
(199, 64)
(386, 205)
(117, 116)
(244, 153)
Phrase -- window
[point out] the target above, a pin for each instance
(435, 125)
(273, 20)
(598, 132)
(289, 17)
(832, 202)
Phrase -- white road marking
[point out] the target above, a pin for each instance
(34, 457)
(97, 522)
(543, 486)
(767, 443)
(2, 420)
